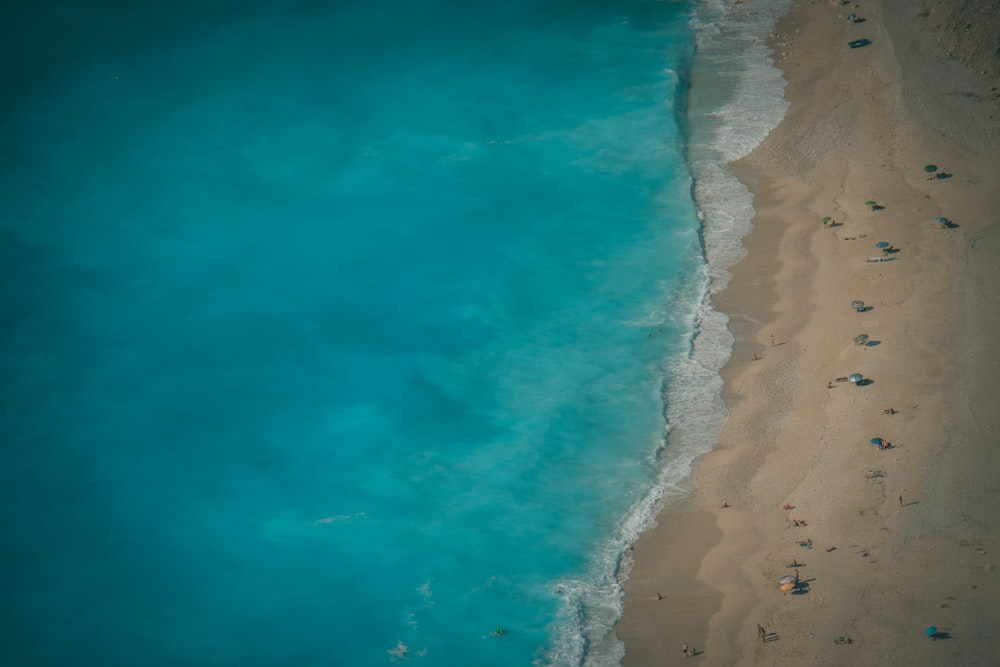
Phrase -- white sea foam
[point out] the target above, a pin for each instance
(732, 56)
(742, 102)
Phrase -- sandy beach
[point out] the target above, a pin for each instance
(889, 540)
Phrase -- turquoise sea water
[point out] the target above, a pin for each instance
(344, 334)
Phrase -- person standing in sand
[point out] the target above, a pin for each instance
(685, 649)
(772, 340)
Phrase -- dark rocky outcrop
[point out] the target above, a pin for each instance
(968, 31)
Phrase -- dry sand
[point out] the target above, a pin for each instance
(862, 124)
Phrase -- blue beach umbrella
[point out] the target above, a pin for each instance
(881, 244)
(942, 220)
(855, 377)
(877, 441)
(931, 631)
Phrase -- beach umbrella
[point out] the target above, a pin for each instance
(858, 305)
(787, 587)
(881, 244)
(855, 377)
(861, 339)
(787, 579)
(931, 631)
(931, 168)
(827, 219)
(870, 203)
(877, 441)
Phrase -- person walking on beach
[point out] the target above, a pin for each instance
(901, 500)
(685, 649)
(772, 340)
(761, 632)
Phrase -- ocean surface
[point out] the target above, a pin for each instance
(350, 333)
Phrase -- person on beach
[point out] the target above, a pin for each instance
(889, 411)
(901, 500)
(772, 340)
(685, 649)
(755, 357)
(761, 632)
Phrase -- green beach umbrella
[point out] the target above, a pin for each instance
(827, 219)
(870, 203)
(931, 168)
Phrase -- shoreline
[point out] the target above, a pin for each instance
(861, 125)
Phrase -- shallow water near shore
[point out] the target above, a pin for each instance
(343, 335)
